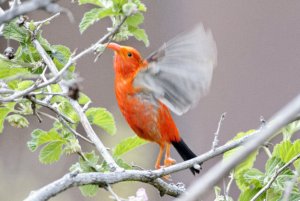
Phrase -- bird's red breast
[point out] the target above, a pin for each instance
(149, 118)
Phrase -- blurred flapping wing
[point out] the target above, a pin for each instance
(180, 72)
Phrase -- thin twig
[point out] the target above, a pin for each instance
(49, 93)
(267, 151)
(116, 197)
(231, 178)
(86, 106)
(53, 109)
(216, 140)
(273, 178)
(47, 20)
(47, 115)
(74, 131)
(101, 41)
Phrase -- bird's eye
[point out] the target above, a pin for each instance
(129, 54)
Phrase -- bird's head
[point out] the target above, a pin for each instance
(127, 60)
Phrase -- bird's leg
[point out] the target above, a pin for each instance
(168, 160)
(161, 151)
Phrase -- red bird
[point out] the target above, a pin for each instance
(172, 78)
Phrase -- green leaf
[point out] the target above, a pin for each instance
(219, 196)
(252, 177)
(15, 32)
(88, 19)
(272, 194)
(40, 137)
(31, 27)
(3, 113)
(9, 68)
(61, 55)
(45, 44)
(55, 88)
(17, 120)
(243, 166)
(89, 190)
(140, 5)
(24, 84)
(28, 54)
(289, 130)
(123, 164)
(10, 72)
(140, 35)
(272, 166)
(127, 145)
(249, 193)
(51, 152)
(90, 163)
(5, 109)
(93, 16)
(129, 8)
(67, 109)
(102, 118)
(286, 150)
(135, 20)
(25, 107)
(72, 146)
(33, 143)
(87, 164)
(94, 2)
(294, 197)
(83, 99)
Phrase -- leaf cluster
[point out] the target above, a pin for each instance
(251, 180)
(26, 68)
(116, 10)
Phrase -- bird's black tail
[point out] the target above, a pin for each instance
(186, 153)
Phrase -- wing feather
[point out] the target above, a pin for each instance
(180, 72)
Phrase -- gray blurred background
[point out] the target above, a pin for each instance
(258, 72)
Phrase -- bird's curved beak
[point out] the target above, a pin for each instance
(114, 46)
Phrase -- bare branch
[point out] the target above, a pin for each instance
(24, 8)
(146, 176)
(273, 178)
(204, 183)
(101, 179)
(216, 140)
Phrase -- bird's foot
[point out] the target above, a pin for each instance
(169, 161)
(166, 177)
